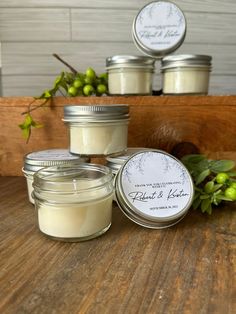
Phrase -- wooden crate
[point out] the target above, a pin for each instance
(177, 124)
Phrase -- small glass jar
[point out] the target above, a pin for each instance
(35, 161)
(73, 203)
(186, 74)
(130, 75)
(97, 130)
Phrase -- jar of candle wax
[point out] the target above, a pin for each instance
(35, 161)
(73, 203)
(130, 75)
(97, 129)
(186, 74)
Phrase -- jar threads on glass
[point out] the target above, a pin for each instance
(186, 74)
(35, 161)
(73, 203)
(97, 130)
(130, 75)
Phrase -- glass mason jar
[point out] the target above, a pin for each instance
(73, 203)
(130, 75)
(35, 161)
(97, 130)
(186, 74)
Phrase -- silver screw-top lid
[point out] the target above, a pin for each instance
(159, 28)
(130, 61)
(185, 60)
(154, 189)
(35, 161)
(95, 113)
(120, 159)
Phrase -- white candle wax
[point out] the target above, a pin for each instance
(129, 81)
(186, 81)
(75, 220)
(104, 139)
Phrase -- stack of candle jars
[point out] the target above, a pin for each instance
(73, 198)
(159, 29)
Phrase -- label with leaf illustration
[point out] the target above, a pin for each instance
(159, 27)
(155, 184)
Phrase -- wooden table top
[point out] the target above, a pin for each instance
(188, 268)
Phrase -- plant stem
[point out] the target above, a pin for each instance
(34, 108)
(64, 62)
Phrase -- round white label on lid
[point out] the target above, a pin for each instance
(159, 28)
(155, 185)
(52, 154)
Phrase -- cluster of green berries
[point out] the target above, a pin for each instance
(230, 191)
(228, 187)
(86, 84)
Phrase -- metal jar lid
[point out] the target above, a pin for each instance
(120, 159)
(159, 28)
(130, 61)
(95, 113)
(154, 189)
(35, 161)
(185, 60)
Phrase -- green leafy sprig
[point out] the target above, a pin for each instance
(68, 84)
(214, 181)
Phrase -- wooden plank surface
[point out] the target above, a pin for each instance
(228, 6)
(207, 122)
(188, 268)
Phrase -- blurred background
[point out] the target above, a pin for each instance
(85, 32)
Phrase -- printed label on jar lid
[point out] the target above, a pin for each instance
(159, 28)
(155, 186)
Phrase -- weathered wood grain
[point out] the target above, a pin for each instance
(208, 28)
(188, 268)
(228, 6)
(208, 122)
(34, 24)
(23, 58)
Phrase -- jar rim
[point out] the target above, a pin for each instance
(129, 60)
(95, 112)
(37, 160)
(186, 60)
(50, 179)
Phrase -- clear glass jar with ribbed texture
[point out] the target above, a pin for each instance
(73, 203)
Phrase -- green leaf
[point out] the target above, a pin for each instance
(196, 203)
(193, 158)
(209, 186)
(217, 187)
(204, 196)
(231, 173)
(209, 209)
(202, 176)
(26, 133)
(205, 204)
(221, 165)
(223, 198)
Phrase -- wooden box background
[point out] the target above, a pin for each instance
(205, 123)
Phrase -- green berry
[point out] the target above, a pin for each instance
(88, 80)
(90, 73)
(77, 83)
(230, 193)
(72, 91)
(88, 90)
(101, 89)
(222, 177)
